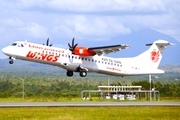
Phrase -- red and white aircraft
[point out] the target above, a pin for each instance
(85, 60)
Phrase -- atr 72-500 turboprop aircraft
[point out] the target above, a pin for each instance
(84, 60)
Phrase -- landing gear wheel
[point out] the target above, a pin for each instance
(11, 62)
(83, 73)
(69, 73)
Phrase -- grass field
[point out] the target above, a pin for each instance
(77, 99)
(90, 113)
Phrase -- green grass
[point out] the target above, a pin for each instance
(78, 99)
(90, 113)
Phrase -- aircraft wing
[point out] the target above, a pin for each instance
(108, 49)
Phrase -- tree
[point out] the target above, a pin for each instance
(30, 94)
(45, 94)
(6, 94)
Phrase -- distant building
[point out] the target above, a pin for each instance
(119, 92)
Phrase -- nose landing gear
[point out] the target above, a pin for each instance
(11, 60)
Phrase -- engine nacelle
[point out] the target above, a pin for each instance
(83, 51)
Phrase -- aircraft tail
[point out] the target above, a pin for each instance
(152, 57)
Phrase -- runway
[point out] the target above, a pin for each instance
(86, 104)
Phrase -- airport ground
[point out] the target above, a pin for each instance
(90, 113)
(84, 113)
(148, 112)
(78, 99)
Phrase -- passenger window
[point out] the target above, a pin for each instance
(82, 58)
(22, 45)
(92, 60)
(89, 59)
(85, 59)
(62, 55)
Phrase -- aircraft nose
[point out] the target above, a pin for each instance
(5, 50)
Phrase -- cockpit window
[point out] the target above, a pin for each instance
(14, 44)
(17, 44)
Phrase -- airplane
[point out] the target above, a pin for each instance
(90, 60)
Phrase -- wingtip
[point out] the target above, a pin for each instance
(149, 44)
(125, 45)
(171, 44)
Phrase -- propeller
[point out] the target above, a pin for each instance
(47, 43)
(71, 48)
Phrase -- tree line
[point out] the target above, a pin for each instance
(12, 86)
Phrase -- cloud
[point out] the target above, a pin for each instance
(88, 5)
(35, 30)
(92, 26)
(85, 18)
(172, 32)
(12, 22)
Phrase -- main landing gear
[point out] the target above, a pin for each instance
(81, 73)
(69, 73)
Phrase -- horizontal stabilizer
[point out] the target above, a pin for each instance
(161, 43)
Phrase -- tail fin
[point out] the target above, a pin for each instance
(152, 57)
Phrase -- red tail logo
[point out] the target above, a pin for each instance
(155, 56)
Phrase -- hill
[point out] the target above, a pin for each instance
(171, 68)
(24, 68)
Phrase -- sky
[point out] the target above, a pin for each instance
(87, 20)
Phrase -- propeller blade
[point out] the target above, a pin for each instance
(47, 42)
(69, 45)
(71, 48)
(73, 42)
(75, 45)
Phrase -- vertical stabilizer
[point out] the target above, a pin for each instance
(152, 57)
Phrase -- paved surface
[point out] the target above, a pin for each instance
(86, 104)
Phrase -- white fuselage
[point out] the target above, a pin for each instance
(65, 59)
